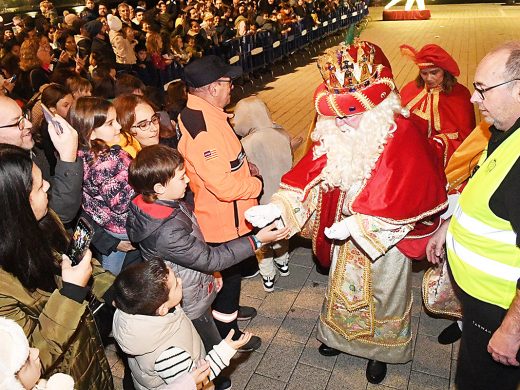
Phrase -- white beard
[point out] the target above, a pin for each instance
(353, 153)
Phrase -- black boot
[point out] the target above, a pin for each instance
(222, 383)
(376, 371)
(321, 269)
(450, 334)
(328, 351)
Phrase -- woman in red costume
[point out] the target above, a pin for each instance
(442, 104)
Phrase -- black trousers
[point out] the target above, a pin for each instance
(228, 298)
(476, 369)
(207, 330)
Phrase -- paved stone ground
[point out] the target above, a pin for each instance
(467, 31)
(289, 358)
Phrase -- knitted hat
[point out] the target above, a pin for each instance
(353, 81)
(93, 27)
(431, 56)
(13, 353)
(58, 381)
(114, 22)
(70, 18)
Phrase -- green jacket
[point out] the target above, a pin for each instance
(62, 329)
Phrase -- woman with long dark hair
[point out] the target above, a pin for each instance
(39, 288)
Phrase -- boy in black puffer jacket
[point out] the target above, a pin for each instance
(163, 226)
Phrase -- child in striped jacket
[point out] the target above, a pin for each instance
(151, 327)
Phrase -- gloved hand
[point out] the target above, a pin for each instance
(263, 215)
(338, 231)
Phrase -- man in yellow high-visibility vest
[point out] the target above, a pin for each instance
(482, 239)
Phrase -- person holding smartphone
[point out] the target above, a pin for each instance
(39, 287)
(68, 54)
(66, 183)
(56, 100)
(7, 85)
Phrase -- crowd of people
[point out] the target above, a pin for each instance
(151, 41)
(94, 133)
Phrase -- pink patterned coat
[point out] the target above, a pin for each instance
(106, 192)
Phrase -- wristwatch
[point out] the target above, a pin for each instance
(257, 242)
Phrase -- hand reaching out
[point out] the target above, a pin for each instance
(271, 234)
(260, 216)
(242, 340)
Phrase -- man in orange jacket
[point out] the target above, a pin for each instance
(219, 175)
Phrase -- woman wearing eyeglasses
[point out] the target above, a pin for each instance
(139, 119)
(435, 96)
(106, 192)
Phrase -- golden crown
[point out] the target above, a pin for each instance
(348, 68)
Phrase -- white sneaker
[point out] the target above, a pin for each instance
(268, 283)
(283, 268)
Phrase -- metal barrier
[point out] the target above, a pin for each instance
(258, 51)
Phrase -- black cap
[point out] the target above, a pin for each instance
(93, 27)
(208, 69)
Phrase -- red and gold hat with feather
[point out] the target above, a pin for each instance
(355, 80)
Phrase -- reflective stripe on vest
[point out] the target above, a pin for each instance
(482, 250)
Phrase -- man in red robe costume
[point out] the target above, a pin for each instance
(436, 97)
(367, 194)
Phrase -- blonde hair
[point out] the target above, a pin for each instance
(154, 43)
(28, 54)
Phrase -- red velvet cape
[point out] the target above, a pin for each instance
(407, 185)
(456, 115)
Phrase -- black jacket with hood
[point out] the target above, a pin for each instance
(169, 230)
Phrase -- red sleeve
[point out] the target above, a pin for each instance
(158, 62)
(408, 182)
